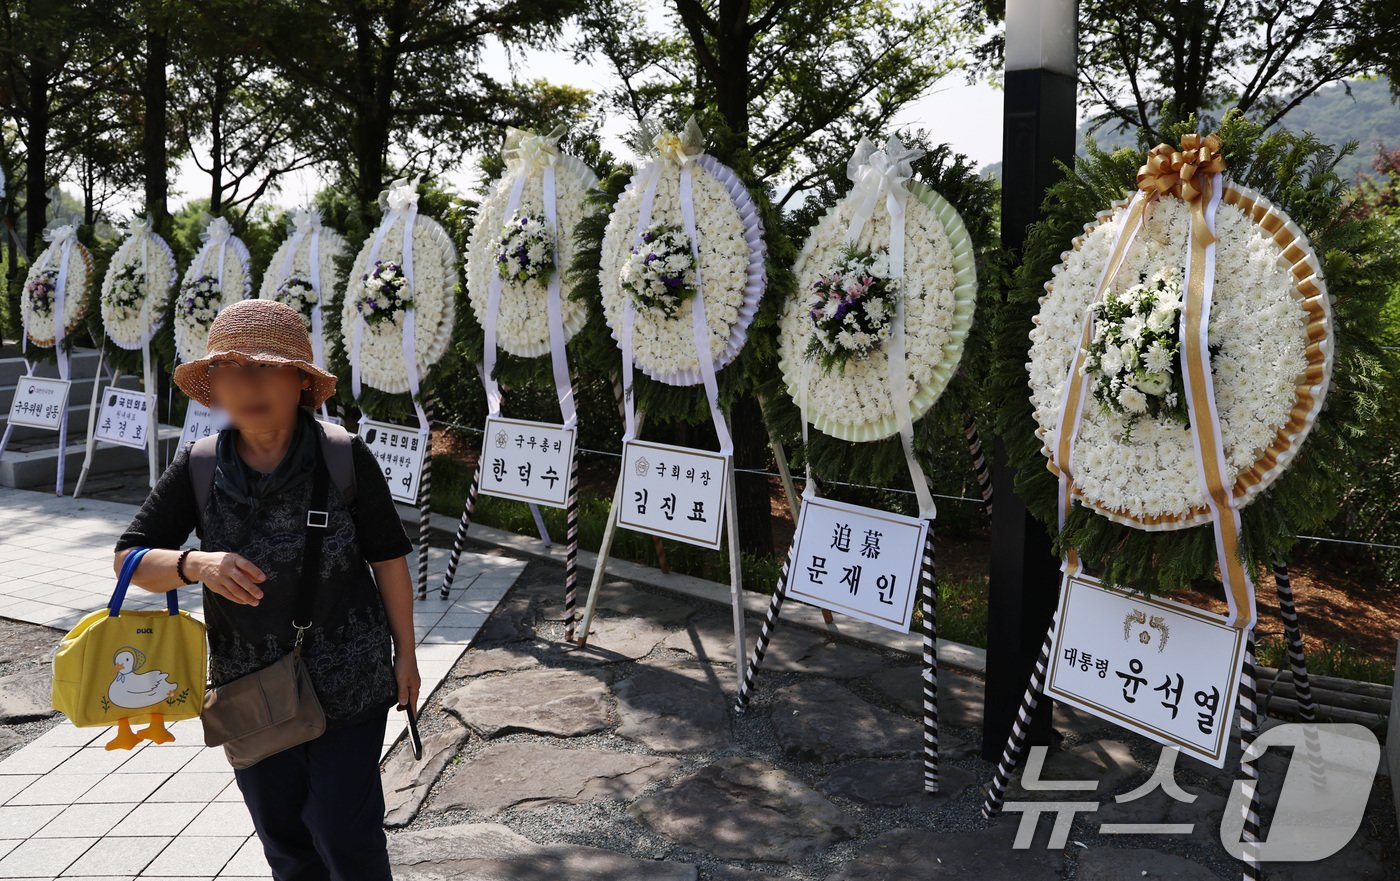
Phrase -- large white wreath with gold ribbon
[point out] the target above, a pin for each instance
(136, 286)
(303, 273)
(218, 276)
(56, 287)
(1270, 345)
(425, 262)
(726, 246)
(853, 401)
(519, 198)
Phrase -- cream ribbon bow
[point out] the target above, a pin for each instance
(679, 147)
(531, 149)
(304, 220)
(217, 232)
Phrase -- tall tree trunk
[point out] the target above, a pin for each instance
(216, 148)
(36, 196)
(154, 93)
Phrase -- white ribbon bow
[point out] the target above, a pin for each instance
(60, 234)
(401, 195)
(679, 147)
(218, 231)
(531, 149)
(877, 172)
(304, 220)
(138, 226)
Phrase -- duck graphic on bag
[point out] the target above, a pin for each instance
(134, 690)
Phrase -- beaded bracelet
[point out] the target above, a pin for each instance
(180, 566)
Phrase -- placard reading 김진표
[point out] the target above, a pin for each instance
(859, 561)
(39, 402)
(527, 461)
(124, 418)
(400, 451)
(1168, 671)
(674, 492)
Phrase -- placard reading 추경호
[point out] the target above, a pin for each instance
(39, 402)
(1168, 671)
(859, 561)
(124, 418)
(400, 451)
(674, 492)
(527, 461)
(202, 421)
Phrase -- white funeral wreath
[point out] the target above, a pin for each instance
(218, 276)
(1270, 337)
(37, 301)
(137, 283)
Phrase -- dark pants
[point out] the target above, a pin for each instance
(319, 807)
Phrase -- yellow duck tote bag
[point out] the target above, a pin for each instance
(119, 668)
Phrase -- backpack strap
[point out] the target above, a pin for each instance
(336, 450)
(202, 472)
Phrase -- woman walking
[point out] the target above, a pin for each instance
(317, 806)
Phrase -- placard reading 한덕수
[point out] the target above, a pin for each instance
(125, 418)
(39, 402)
(859, 561)
(527, 461)
(1168, 671)
(674, 492)
(400, 452)
(202, 421)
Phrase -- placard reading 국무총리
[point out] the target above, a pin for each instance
(400, 452)
(1168, 671)
(39, 402)
(859, 561)
(527, 461)
(202, 421)
(124, 418)
(674, 492)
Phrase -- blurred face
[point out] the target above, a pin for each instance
(257, 397)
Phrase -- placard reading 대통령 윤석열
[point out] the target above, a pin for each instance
(1166, 670)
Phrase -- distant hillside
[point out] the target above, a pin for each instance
(1366, 115)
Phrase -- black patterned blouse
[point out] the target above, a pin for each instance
(347, 650)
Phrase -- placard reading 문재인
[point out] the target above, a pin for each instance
(1166, 670)
(202, 421)
(124, 418)
(858, 561)
(527, 461)
(400, 451)
(674, 492)
(39, 402)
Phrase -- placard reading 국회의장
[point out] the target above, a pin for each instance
(674, 492)
(527, 461)
(400, 451)
(859, 561)
(201, 421)
(39, 402)
(124, 418)
(1168, 671)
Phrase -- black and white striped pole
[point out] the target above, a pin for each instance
(425, 507)
(1249, 729)
(459, 540)
(928, 600)
(1020, 732)
(1293, 637)
(979, 461)
(1039, 120)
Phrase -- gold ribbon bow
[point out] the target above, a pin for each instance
(1186, 171)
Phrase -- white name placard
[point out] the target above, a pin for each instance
(527, 461)
(124, 418)
(1166, 670)
(400, 451)
(859, 561)
(202, 421)
(674, 492)
(39, 402)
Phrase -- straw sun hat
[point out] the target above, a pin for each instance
(261, 331)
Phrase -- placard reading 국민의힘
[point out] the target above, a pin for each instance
(859, 561)
(1168, 671)
(124, 418)
(527, 461)
(674, 492)
(201, 421)
(400, 453)
(39, 402)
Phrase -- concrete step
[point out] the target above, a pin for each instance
(82, 364)
(28, 465)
